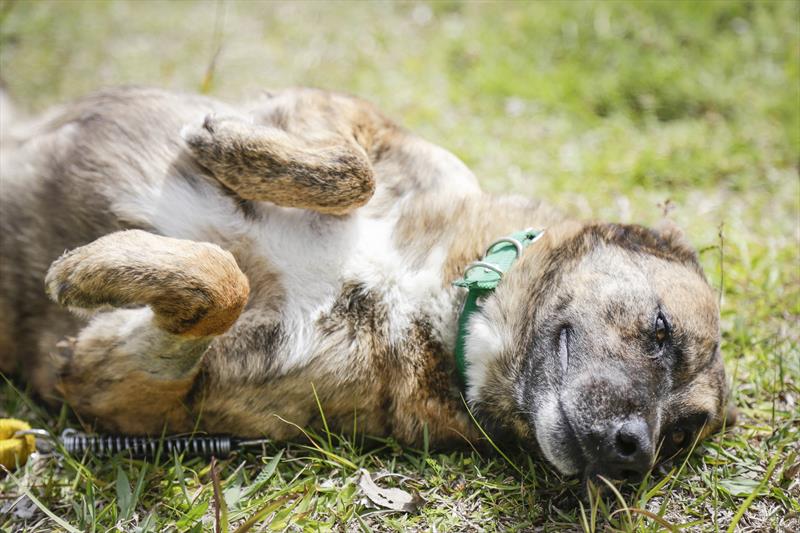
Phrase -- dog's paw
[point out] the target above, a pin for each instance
(199, 135)
(100, 273)
(65, 278)
(217, 137)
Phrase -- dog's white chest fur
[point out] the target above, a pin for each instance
(314, 255)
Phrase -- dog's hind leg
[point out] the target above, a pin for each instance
(330, 174)
(131, 369)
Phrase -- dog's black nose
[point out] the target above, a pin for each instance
(627, 451)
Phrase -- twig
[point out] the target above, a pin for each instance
(217, 496)
(219, 26)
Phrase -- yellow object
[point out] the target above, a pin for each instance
(14, 450)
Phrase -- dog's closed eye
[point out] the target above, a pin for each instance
(662, 330)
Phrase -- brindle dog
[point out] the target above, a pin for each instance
(228, 260)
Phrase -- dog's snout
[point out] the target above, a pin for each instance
(627, 449)
(632, 442)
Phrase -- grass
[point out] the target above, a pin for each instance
(620, 111)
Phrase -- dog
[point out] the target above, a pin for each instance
(289, 263)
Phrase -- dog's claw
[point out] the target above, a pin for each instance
(66, 346)
(63, 354)
(208, 122)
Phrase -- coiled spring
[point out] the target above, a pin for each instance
(144, 447)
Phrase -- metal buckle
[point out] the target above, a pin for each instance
(42, 434)
(484, 264)
(44, 441)
(510, 240)
(494, 268)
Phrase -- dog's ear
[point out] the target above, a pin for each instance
(676, 239)
(672, 233)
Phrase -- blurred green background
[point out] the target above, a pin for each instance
(615, 110)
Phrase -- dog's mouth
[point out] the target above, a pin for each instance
(570, 442)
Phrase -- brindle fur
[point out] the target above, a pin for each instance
(184, 333)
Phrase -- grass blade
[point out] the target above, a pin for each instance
(749, 500)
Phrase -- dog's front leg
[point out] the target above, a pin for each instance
(130, 369)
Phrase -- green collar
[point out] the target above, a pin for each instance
(482, 277)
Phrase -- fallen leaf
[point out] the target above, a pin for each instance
(388, 498)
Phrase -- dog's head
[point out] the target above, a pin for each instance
(601, 345)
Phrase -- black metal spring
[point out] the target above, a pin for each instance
(145, 447)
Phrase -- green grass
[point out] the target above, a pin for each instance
(615, 110)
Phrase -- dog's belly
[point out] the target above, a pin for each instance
(299, 262)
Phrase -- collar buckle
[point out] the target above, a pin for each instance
(483, 276)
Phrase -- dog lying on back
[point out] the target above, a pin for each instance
(237, 263)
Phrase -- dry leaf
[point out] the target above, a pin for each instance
(388, 498)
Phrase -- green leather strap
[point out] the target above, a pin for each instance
(482, 277)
